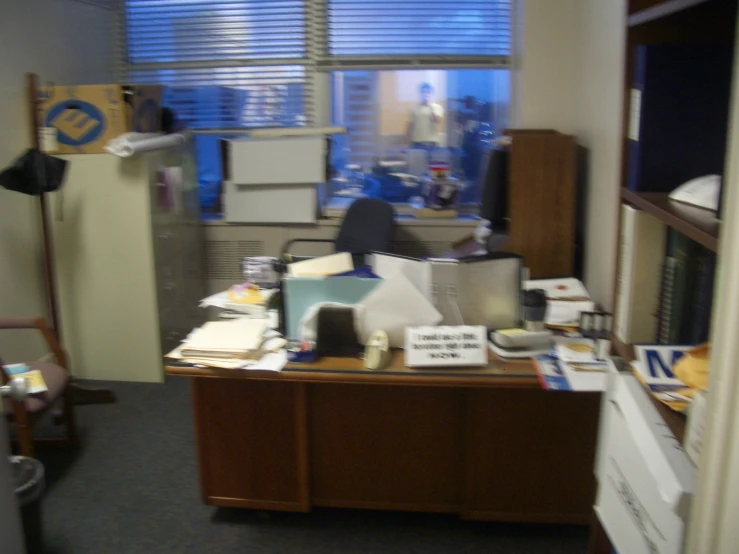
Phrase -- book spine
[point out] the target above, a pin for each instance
(635, 112)
(665, 302)
(703, 304)
(642, 253)
(621, 326)
(682, 249)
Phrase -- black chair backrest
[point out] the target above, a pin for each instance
(367, 226)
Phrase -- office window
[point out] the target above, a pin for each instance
(228, 64)
(239, 64)
(378, 107)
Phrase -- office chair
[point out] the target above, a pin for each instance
(27, 413)
(366, 227)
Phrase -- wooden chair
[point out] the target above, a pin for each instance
(27, 413)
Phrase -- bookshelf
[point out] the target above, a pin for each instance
(700, 225)
(694, 26)
(651, 156)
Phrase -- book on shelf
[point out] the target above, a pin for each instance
(641, 255)
(664, 310)
(700, 322)
(686, 293)
(683, 250)
(679, 113)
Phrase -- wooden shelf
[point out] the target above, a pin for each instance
(661, 10)
(696, 223)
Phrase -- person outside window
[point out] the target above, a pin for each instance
(424, 120)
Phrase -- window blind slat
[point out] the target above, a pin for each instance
(405, 29)
(197, 30)
(212, 98)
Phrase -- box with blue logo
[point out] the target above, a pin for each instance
(83, 119)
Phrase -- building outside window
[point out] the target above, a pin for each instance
(233, 65)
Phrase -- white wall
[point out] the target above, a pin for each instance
(568, 76)
(545, 64)
(598, 103)
(65, 42)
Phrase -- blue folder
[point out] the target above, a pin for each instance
(303, 292)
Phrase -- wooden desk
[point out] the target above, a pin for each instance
(485, 443)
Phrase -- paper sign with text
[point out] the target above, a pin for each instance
(446, 346)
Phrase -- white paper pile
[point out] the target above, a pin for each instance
(234, 344)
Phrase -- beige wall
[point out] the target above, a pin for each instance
(598, 104)
(568, 76)
(65, 42)
(545, 64)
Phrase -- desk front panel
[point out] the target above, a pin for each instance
(500, 454)
(386, 447)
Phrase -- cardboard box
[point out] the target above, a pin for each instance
(645, 479)
(82, 119)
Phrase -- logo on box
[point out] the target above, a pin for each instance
(78, 123)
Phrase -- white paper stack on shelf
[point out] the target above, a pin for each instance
(567, 298)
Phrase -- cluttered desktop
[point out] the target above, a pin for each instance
(377, 381)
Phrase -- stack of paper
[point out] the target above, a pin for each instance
(566, 299)
(239, 339)
(234, 344)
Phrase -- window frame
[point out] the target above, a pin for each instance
(317, 63)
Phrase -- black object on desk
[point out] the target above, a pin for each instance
(335, 334)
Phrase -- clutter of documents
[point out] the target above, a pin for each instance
(579, 371)
(234, 344)
(392, 294)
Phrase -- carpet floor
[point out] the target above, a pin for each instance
(132, 487)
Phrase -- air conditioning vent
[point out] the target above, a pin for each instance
(224, 257)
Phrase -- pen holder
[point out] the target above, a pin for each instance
(534, 309)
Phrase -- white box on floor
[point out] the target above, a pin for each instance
(645, 479)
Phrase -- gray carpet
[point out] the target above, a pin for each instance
(132, 488)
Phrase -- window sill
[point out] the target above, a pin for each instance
(470, 221)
